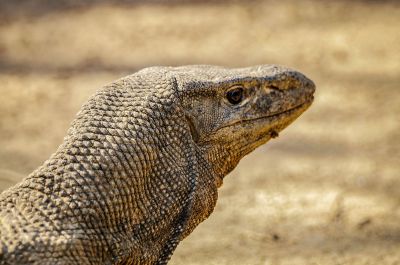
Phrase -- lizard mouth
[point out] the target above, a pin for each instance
(292, 114)
(276, 116)
(304, 104)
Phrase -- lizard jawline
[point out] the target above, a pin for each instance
(275, 115)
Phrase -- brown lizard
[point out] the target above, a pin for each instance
(140, 166)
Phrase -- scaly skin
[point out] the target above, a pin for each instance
(140, 166)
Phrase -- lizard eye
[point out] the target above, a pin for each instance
(235, 95)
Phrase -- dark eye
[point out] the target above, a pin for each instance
(235, 95)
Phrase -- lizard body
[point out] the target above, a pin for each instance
(140, 166)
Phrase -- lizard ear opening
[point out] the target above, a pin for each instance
(193, 129)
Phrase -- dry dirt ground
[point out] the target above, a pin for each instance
(327, 191)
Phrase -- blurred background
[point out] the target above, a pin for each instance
(327, 191)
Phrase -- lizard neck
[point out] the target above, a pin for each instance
(131, 195)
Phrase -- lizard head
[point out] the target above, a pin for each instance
(230, 112)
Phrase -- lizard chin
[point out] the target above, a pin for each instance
(287, 115)
(279, 121)
(269, 127)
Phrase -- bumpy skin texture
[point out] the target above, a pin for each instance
(140, 166)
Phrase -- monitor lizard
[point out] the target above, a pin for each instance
(140, 166)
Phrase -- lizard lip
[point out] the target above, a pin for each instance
(299, 106)
(306, 103)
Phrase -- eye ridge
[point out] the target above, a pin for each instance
(235, 95)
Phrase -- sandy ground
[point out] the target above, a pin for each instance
(327, 191)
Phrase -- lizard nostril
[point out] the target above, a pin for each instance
(274, 87)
